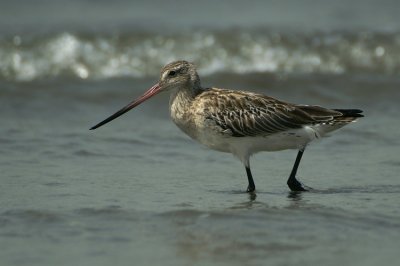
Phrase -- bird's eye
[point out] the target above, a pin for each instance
(172, 73)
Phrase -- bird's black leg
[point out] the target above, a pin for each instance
(251, 187)
(292, 182)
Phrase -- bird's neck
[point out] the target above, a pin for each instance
(180, 105)
(181, 98)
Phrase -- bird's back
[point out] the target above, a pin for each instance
(241, 113)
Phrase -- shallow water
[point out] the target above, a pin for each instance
(138, 191)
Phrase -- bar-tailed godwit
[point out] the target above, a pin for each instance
(240, 122)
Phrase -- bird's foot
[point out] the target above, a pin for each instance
(295, 185)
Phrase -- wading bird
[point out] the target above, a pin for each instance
(240, 122)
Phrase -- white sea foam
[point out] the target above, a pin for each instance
(140, 55)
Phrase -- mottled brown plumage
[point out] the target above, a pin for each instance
(242, 114)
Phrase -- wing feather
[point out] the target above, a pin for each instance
(240, 114)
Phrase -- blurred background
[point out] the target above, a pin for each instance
(101, 40)
(138, 190)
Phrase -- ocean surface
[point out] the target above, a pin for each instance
(140, 192)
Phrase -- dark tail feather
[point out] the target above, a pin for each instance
(350, 112)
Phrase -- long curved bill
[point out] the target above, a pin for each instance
(151, 92)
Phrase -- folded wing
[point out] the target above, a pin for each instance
(241, 114)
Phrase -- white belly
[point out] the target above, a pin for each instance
(244, 147)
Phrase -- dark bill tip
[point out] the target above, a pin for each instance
(151, 92)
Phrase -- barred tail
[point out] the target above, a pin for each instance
(350, 112)
(347, 116)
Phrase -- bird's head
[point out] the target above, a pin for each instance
(179, 74)
(174, 76)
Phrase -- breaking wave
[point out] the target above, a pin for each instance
(85, 56)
